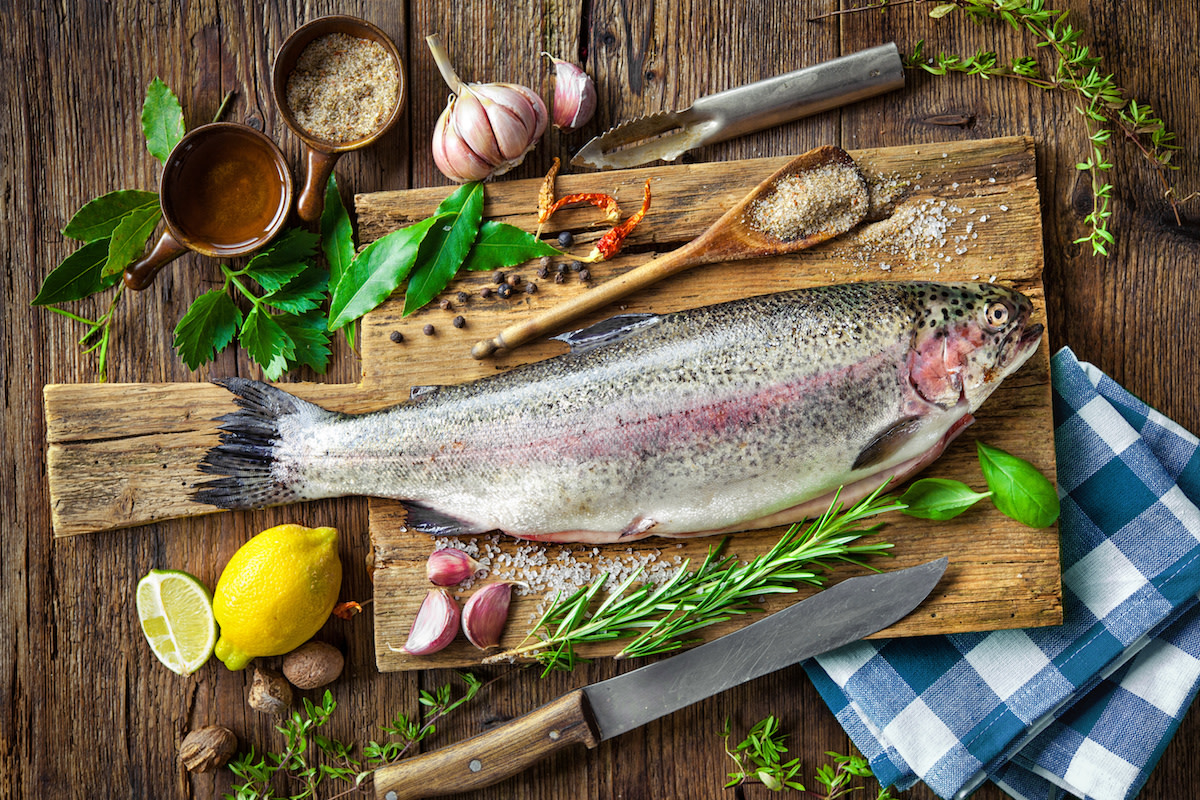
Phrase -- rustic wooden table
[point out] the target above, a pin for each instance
(86, 710)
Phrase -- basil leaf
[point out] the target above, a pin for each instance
(502, 245)
(337, 234)
(129, 238)
(266, 342)
(445, 247)
(207, 328)
(303, 293)
(938, 498)
(377, 271)
(1018, 489)
(162, 120)
(99, 217)
(311, 340)
(79, 275)
(286, 258)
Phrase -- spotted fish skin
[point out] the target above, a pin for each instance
(730, 417)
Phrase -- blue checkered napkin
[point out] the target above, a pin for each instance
(1088, 705)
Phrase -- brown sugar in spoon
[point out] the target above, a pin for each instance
(814, 197)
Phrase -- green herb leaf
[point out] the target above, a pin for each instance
(207, 328)
(1018, 489)
(310, 339)
(266, 342)
(162, 120)
(337, 234)
(303, 293)
(98, 218)
(446, 246)
(938, 498)
(940, 11)
(129, 239)
(502, 245)
(377, 271)
(79, 275)
(286, 258)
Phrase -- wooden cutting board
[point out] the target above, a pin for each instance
(125, 455)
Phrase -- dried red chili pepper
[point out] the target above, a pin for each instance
(546, 195)
(347, 609)
(605, 201)
(610, 243)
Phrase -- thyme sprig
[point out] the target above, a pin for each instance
(759, 759)
(303, 771)
(661, 618)
(1104, 105)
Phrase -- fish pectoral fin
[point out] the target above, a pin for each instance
(613, 329)
(888, 442)
(424, 519)
(638, 526)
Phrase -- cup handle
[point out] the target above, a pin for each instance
(141, 274)
(317, 167)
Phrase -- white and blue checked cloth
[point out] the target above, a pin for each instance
(1084, 708)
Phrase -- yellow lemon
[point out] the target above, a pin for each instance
(276, 592)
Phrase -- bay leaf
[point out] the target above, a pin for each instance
(98, 218)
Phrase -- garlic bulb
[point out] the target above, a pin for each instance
(574, 95)
(486, 128)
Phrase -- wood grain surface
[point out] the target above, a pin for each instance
(85, 710)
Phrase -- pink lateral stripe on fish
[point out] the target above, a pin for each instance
(730, 417)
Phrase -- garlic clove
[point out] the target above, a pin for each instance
(435, 625)
(449, 566)
(453, 156)
(473, 124)
(510, 119)
(574, 95)
(485, 614)
(540, 115)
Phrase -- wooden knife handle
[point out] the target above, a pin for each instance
(493, 756)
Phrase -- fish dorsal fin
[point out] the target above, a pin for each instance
(424, 519)
(887, 443)
(420, 391)
(607, 331)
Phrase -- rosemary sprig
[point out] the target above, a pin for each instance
(660, 618)
(1103, 104)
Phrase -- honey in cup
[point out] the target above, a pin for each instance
(225, 191)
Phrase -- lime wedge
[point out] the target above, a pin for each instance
(177, 617)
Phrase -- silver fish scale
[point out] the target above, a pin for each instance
(708, 419)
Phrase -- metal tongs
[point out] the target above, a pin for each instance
(735, 112)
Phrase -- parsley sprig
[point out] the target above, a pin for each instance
(1104, 105)
(309, 758)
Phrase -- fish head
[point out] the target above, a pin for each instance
(968, 338)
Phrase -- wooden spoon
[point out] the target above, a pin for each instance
(828, 198)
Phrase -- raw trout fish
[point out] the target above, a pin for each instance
(735, 416)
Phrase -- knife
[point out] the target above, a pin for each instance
(734, 112)
(843, 613)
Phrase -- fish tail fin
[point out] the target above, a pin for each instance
(247, 456)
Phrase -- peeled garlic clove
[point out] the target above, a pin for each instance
(574, 95)
(435, 625)
(450, 566)
(485, 613)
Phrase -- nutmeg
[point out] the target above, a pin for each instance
(207, 748)
(313, 664)
(270, 693)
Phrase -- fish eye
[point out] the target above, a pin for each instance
(997, 315)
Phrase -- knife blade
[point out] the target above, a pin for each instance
(843, 613)
(734, 112)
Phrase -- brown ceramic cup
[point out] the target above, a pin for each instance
(321, 155)
(225, 191)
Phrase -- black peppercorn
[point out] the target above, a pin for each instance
(560, 277)
(499, 276)
(504, 291)
(530, 288)
(565, 239)
(543, 271)
(427, 330)
(513, 280)
(397, 337)
(560, 267)
(462, 297)
(585, 275)
(575, 266)
(459, 321)
(485, 292)
(444, 304)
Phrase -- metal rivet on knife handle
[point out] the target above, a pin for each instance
(730, 238)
